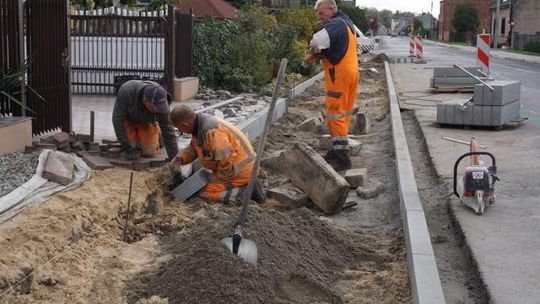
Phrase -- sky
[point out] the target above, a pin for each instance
(415, 6)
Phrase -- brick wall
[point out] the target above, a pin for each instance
(446, 30)
(526, 14)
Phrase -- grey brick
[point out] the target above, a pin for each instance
(356, 177)
(191, 185)
(290, 196)
(486, 116)
(96, 162)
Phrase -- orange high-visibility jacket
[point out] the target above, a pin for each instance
(221, 147)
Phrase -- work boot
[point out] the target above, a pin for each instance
(330, 155)
(342, 161)
(258, 194)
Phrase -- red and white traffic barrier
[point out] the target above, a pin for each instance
(482, 51)
(412, 48)
(419, 49)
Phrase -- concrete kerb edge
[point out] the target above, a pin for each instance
(304, 85)
(424, 277)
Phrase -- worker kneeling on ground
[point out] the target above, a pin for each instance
(336, 45)
(222, 148)
(140, 113)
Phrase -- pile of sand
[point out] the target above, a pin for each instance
(301, 259)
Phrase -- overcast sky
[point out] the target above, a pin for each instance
(415, 6)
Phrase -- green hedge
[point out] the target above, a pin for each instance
(533, 46)
(244, 54)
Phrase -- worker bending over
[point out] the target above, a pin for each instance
(140, 113)
(222, 148)
(336, 45)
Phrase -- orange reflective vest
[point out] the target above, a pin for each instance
(221, 147)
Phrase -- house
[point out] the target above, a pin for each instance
(429, 23)
(447, 31)
(219, 9)
(503, 24)
(399, 25)
(524, 22)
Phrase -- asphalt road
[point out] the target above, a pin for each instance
(504, 242)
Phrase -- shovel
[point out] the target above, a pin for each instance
(239, 246)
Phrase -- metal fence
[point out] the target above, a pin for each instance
(10, 49)
(520, 41)
(110, 46)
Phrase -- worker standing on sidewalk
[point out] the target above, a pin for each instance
(335, 44)
(222, 148)
(140, 113)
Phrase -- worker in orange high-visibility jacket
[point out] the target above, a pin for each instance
(336, 45)
(222, 148)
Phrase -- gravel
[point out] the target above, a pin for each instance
(15, 169)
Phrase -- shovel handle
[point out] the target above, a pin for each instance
(262, 141)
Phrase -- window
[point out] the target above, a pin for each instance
(503, 25)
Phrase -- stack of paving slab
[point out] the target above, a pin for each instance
(488, 108)
(450, 77)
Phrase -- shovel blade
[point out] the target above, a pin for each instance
(247, 249)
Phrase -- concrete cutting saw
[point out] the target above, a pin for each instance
(475, 187)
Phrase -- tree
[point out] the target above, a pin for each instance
(386, 17)
(466, 18)
(358, 16)
(239, 3)
(418, 26)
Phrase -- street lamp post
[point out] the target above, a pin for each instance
(495, 25)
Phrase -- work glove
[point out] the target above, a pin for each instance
(131, 153)
(176, 163)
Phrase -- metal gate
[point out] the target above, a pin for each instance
(48, 48)
(11, 55)
(45, 45)
(113, 45)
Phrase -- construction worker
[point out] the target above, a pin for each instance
(336, 45)
(140, 113)
(222, 148)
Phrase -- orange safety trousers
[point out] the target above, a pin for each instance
(341, 81)
(225, 191)
(145, 137)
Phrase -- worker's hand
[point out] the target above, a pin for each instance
(310, 59)
(131, 153)
(176, 162)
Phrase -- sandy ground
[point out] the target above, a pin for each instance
(70, 249)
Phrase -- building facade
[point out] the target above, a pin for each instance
(447, 31)
(526, 16)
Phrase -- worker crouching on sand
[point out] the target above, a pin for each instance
(222, 148)
(140, 113)
(336, 45)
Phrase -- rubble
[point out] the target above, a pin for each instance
(290, 196)
(310, 172)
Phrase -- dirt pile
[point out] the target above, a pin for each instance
(301, 259)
